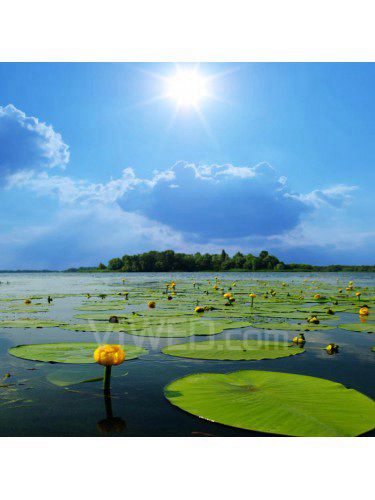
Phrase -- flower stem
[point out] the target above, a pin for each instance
(107, 379)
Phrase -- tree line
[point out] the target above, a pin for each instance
(169, 261)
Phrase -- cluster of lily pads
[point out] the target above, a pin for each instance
(270, 402)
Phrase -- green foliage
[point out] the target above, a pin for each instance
(30, 323)
(67, 352)
(169, 261)
(359, 327)
(277, 403)
(233, 350)
(292, 326)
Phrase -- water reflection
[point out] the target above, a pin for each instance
(111, 424)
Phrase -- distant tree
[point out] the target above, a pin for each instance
(101, 266)
(238, 261)
(115, 264)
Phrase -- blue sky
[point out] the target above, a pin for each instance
(95, 164)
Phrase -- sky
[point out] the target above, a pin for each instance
(102, 160)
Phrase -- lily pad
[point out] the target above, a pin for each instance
(165, 329)
(292, 326)
(67, 352)
(233, 350)
(80, 374)
(30, 323)
(26, 309)
(276, 403)
(359, 327)
(102, 307)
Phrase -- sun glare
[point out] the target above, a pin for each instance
(187, 88)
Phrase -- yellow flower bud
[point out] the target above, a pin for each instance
(109, 355)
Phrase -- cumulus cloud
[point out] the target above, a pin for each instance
(217, 201)
(27, 143)
(335, 196)
(71, 191)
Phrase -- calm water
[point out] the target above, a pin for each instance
(30, 405)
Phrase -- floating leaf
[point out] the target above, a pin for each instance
(166, 329)
(67, 352)
(233, 350)
(292, 326)
(359, 327)
(277, 403)
(30, 323)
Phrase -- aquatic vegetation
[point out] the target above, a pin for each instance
(289, 308)
(152, 304)
(292, 326)
(252, 296)
(30, 323)
(300, 339)
(332, 348)
(314, 320)
(170, 328)
(359, 327)
(304, 406)
(102, 307)
(67, 352)
(67, 376)
(109, 355)
(32, 309)
(364, 311)
(233, 350)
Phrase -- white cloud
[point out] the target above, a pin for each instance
(27, 143)
(335, 196)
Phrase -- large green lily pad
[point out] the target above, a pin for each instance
(292, 326)
(233, 350)
(276, 403)
(359, 327)
(165, 329)
(24, 309)
(30, 323)
(102, 307)
(67, 352)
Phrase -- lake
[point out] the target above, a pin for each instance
(31, 404)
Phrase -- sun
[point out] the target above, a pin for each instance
(187, 88)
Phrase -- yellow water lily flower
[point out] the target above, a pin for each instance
(152, 304)
(317, 296)
(227, 295)
(199, 309)
(358, 294)
(313, 319)
(215, 287)
(252, 296)
(364, 311)
(27, 301)
(300, 339)
(109, 355)
(332, 348)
